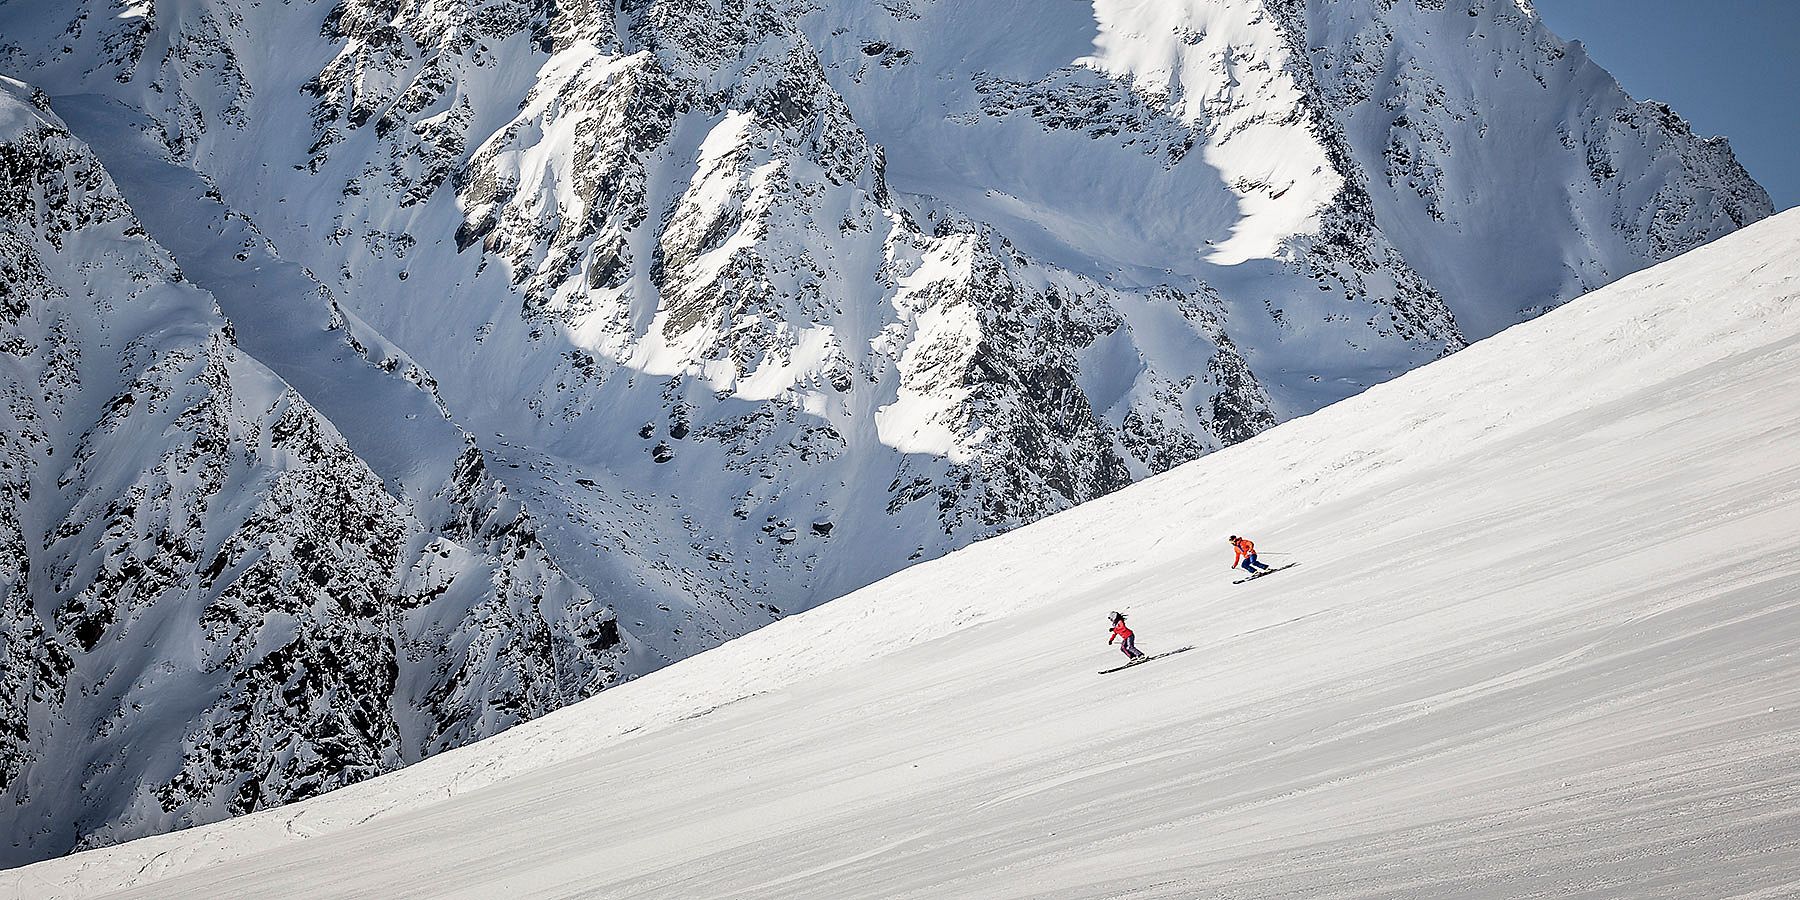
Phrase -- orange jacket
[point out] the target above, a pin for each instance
(1119, 631)
(1244, 548)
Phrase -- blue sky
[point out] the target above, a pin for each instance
(1729, 67)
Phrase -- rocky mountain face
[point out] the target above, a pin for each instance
(542, 342)
(211, 603)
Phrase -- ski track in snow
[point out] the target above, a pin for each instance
(1545, 643)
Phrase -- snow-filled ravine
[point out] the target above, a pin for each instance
(1543, 640)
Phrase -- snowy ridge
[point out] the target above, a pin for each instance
(214, 603)
(1544, 621)
(751, 303)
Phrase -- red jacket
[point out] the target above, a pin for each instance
(1244, 548)
(1119, 631)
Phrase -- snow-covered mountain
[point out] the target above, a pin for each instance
(213, 602)
(719, 309)
(1541, 641)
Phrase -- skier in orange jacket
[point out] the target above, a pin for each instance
(1119, 630)
(1246, 554)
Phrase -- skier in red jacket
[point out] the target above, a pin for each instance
(1119, 630)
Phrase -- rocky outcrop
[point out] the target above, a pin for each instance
(212, 605)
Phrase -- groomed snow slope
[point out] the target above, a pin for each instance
(1544, 640)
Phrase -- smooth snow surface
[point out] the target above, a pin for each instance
(1544, 640)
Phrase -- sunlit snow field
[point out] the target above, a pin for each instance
(1544, 640)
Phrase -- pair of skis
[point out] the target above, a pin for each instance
(1144, 659)
(1265, 572)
